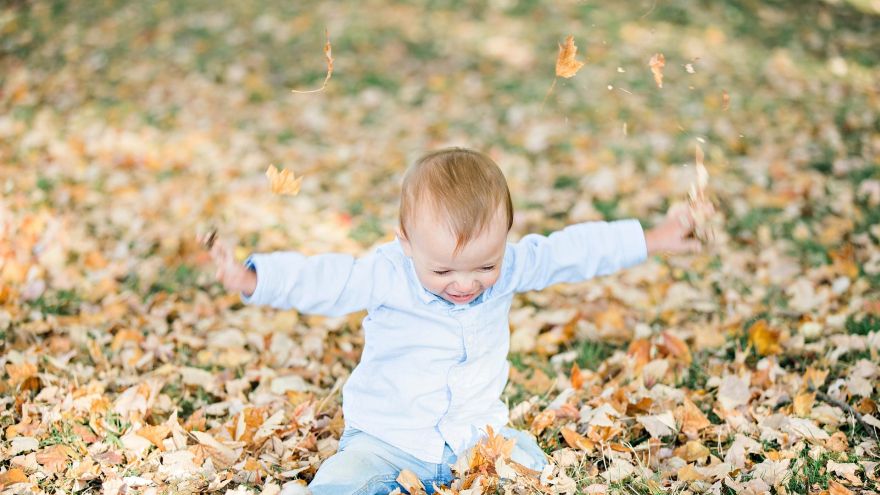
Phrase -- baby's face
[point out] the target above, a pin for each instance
(462, 277)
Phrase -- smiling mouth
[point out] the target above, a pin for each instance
(462, 298)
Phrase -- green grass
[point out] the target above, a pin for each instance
(808, 474)
(863, 325)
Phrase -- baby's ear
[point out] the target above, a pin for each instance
(404, 242)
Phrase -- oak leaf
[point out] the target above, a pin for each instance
(283, 182)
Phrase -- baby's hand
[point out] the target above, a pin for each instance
(232, 275)
(675, 233)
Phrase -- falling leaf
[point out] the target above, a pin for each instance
(283, 182)
(657, 62)
(566, 64)
(328, 55)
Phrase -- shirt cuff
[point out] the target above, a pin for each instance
(631, 238)
(252, 263)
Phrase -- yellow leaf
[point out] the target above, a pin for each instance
(803, 404)
(764, 339)
(566, 65)
(283, 182)
(657, 62)
(676, 347)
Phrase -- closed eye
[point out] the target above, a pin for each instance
(488, 268)
(441, 272)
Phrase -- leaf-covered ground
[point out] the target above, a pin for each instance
(126, 128)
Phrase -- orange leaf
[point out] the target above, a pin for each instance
(657, 62)
(14, 475)
(20, 372)
(577, 441)
(543, 420)
(835, 488)
(577, 378)
(283, 182)
(803, 404)
(676, 347)
(495, 446)
(155, 434)
(566, 65)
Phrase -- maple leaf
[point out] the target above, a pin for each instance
(283, 182)
(495, 446)
(54, 458)
(328, 54)
(692, 419)
(566, 65)
(657, 62)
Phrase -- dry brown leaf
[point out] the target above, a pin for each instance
(328, 54)
(577, 441)
(495, 446)
(676, 347)
(657, 62)
(54, 458)
(283, 182)
(566, 65)
(692, 419)
(410, 482)
(835, 488)
(544, 419)
(18, 373)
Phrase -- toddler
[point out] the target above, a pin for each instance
(436, 333)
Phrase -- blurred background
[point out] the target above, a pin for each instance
(127, 127)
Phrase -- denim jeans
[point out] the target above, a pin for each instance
(365, 465)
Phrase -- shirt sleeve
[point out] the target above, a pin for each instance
(577, 253)
(326, 284)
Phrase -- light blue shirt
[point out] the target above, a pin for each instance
(432, 372)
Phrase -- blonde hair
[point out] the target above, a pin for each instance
(463, 185)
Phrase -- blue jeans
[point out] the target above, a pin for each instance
(365, 465)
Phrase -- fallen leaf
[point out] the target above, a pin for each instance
(659, 425)
(14, 475)
(283, 182)
(577, 378)
(155, 434)
(692, 419)
(410, 482)
(764, 339)
(657, 62)
(54, 458)
(576, 441)
(835, 488)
